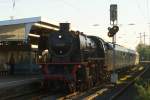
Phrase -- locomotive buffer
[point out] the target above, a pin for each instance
(111, 33)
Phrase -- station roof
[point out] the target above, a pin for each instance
(19, 29)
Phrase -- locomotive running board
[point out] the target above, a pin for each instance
(95, 58)
(61, 63)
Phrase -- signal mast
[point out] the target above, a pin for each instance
(112, 33)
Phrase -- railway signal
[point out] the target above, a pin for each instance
(112, 31)
(113, 13)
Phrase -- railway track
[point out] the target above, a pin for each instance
(87, 95)
(118, 90)
(57, 95)
(39, 95)
(112, 91)
(115, 96)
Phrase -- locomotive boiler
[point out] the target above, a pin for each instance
(79, 61)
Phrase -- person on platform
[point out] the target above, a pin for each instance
(12, 64)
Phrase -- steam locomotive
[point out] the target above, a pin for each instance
(78, 61)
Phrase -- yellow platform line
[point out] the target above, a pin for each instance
(134, 69)
(125, 78)
(141, 68)
(97, 93)
(68, 96)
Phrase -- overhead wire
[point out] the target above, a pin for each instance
(70, 5)
(13, 8)
(140, 11)
(148, 19)
(147, 15)
(147, 6)
(139, 8)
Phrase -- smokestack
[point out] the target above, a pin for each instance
(64, 27)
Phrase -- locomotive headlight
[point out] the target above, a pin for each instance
(59, 36)
(60, 52)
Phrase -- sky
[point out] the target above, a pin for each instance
(83, 14)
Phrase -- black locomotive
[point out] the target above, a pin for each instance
(80, 61)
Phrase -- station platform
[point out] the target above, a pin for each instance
(16, 80)
(12, 86)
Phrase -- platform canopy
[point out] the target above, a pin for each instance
(19, 29)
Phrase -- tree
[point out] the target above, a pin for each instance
(144, 52)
